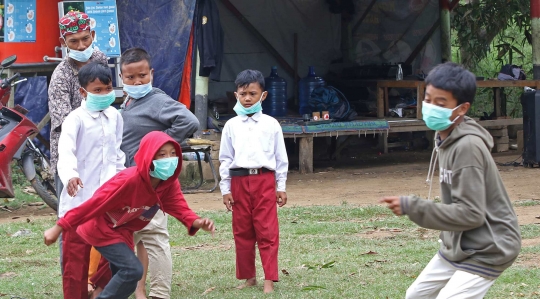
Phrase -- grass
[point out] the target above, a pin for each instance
(526, 203)
(341, 251)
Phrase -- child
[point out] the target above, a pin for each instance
(89, 155)
(480, 235)
(253, 159)
(125, 204)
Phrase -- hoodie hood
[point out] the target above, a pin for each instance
(150, 145)
(468, 127)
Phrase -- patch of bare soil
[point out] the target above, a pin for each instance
(363, 181)
(528, 260)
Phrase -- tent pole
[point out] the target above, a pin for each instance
(446, 41)
(201, 98)
(535, 28)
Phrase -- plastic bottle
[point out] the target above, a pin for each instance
(399, 73)
(275, 103)
(305, 87)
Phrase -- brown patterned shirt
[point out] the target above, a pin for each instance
(64, 97)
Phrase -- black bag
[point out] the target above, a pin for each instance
(328, 98)
(512, 70)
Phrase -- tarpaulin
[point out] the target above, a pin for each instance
(161, 27)
(32, 95)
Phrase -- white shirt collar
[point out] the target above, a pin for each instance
(255, 116)
(95, 114)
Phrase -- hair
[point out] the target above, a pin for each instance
(134, 55)
(92, 71)
(455, 79)
(247, 77)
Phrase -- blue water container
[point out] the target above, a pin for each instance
(275, 103)
(305, 87)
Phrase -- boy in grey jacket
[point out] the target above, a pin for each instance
(480, 235)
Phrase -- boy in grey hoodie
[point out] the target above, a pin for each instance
(480, 235)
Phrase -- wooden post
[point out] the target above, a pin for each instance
(383, 142)
(306, 155)
(420, 93)
(380, 102)
(497, 101)
(535, 29)
(446, 42)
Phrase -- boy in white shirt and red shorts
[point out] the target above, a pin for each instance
(253, 160)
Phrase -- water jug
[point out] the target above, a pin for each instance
(275, 103)
(305, 88)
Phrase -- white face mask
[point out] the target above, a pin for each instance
(81, 56)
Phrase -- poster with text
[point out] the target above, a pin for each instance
(103, 20)
(19, 21)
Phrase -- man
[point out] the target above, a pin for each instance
(149, 109)
(64, 95)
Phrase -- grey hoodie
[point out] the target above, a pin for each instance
(154, 112)
(479, 228)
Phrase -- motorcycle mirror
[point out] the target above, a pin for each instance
(8, 61)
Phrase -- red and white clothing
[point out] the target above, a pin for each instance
(254, 142)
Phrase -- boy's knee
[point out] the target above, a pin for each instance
(138, 271)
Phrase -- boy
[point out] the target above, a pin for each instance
(89, 155)
(480, 235)
(253, 159)
(157, 111)
(125, 204)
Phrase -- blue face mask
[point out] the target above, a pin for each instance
(99, 102)
(241, 110)
(81, 56)
(138, 91)
(164, 168)
(437, 118)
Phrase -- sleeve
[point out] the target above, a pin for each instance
(108, 197)
(282, 161)
(59, 102)
(226, 157)
(67, 148)
(180, 121)
(120, 155)
(468, 194)
(175, 205)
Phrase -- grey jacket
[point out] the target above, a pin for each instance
(154, 112)
(480, 232)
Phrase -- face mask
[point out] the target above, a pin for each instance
(437, 118)
(81, 56)
(241, 110)
(164, 168)
(99, 102)
(138, 91)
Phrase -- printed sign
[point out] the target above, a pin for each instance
(103, 20)
(19, 20)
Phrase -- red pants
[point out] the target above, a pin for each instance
(255, 221)
(76, 256)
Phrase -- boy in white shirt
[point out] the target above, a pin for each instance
(89, 155)
(253, 158)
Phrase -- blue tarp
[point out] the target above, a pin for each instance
(32, 95)
(161, 27)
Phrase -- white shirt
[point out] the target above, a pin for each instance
(89, 148)
(252, 142)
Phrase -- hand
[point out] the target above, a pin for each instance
(73, 186)
(281, 198)
(205, 224)
(394, 204)
(228, 201)
(51, 235)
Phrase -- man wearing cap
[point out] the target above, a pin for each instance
(64, 97)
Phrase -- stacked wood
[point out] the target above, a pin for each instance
(500, 138)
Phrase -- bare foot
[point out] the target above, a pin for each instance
(96, 293)
(268, 286)
(248, 283)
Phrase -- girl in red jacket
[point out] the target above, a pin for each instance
(125, 204)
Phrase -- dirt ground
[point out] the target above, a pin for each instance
(362, 181)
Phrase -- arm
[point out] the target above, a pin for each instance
(226, 157)
(67, 148)
(175, 204)
(108, 197)
(282, 161)
(120, 156)
(180, 121)
(59, 101)
(466, 211)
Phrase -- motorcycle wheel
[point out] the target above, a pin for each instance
(49, 199)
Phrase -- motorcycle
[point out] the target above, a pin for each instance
(16, 144)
